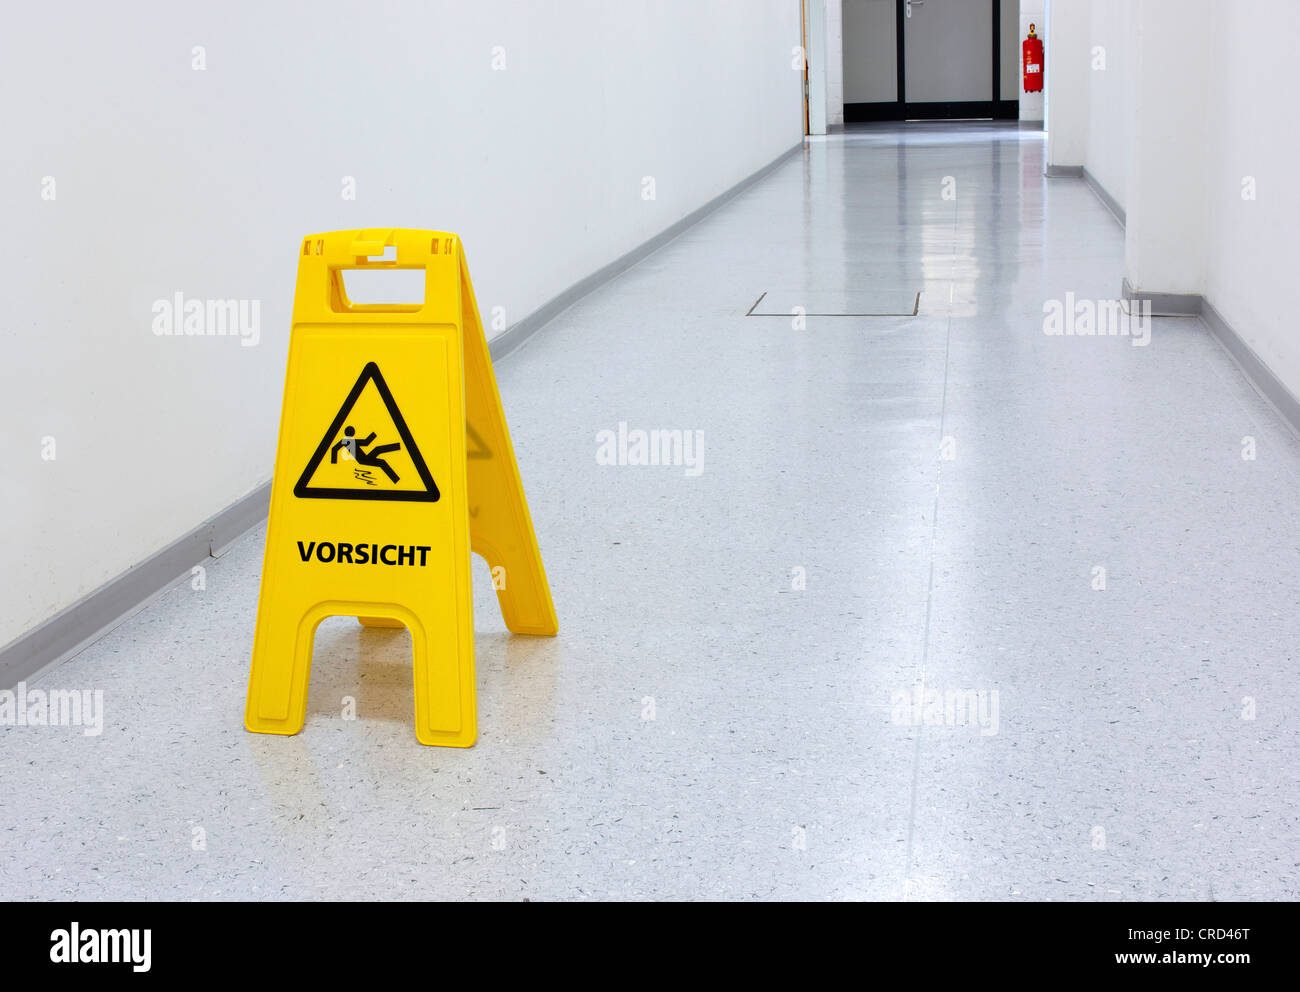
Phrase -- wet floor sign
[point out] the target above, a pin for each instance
(394, 463)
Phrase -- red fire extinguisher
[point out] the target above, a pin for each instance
(1032, 49)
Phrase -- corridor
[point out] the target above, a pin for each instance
(944, 606)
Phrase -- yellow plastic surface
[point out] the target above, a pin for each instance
(393, 445)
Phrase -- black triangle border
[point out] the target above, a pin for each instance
(430, 494)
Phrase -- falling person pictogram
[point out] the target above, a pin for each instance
(355, 449)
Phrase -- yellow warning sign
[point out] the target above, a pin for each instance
(393, 463)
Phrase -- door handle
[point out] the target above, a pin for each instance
(907, 7)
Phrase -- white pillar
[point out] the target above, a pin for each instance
(815, 45)
(1066, 54)
(835, 62)
(1167, 216)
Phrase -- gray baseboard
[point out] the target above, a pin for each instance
(84, 622)
(1260, 375)
(1111, 203)
(518, 333)
(1257, 372)
(1165, 304)
(1079, 172)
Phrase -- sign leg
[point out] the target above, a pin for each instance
(277, 686)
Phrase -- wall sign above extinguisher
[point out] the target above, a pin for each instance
(1032, 49)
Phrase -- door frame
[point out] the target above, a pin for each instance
(902, 110)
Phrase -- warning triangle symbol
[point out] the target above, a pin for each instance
(368, 451)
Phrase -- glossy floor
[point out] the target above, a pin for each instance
(952, 608)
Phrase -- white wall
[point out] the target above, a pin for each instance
(1207, 89)
(1252, 257)
(1111, 107)
(203, 182)
(870, 51)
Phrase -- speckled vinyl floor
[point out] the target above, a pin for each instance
(955, 609)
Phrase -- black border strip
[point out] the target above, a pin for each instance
(995, 93)
(954, 110)
(862, 113)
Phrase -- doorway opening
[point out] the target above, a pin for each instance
(931, 60)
